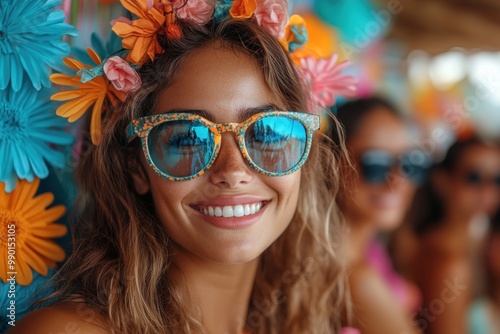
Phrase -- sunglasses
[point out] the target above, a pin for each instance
(182, 146)
(376, 165)
(476, 178)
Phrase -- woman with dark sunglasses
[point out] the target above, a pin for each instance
(205, 206)
(376, 199)
(448, 218)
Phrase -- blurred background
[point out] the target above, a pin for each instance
(438, 60)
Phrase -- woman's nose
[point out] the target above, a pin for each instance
(230, 169)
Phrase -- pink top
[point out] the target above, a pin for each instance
(407, 294)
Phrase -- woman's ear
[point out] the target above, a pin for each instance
(140, 178)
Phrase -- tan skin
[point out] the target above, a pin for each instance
(443, 255)
(493, 268)
(372, 208)
(217, 266)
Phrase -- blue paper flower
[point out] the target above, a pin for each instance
(222, 8)
(30, 132)
(300, 37)
(31, 41)
(103, 50)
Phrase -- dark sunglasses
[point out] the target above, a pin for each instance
(477, 178)
(376, 165)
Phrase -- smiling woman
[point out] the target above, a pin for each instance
(389, 168)
(205, 206)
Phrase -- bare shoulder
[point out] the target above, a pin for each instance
(74, 318)
(442, 267)
(453, 267)
(364, 281)
(375, 309)
(364, 273)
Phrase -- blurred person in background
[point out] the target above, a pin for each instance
(376, 200)
(484, 316)
(445, 216)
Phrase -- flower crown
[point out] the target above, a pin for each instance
(109, 80)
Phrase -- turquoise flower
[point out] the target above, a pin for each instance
(300, 37)
(31, 42)
(222, 8)
(104, 50)
(30, 133)
(296, 34)
(112, 48)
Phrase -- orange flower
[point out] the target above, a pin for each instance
(304, 52)
(27, 229)
(243, 9)
(93, 92)
(140, 36)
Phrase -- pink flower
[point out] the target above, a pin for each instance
(121, 19)
(349, 330)
(122, 75)
(323, 79)
(195, 11)
(273, 16)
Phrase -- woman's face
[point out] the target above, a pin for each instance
(382, 204)
(225, 85)
(472, 186)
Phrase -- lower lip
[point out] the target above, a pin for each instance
(232, 222)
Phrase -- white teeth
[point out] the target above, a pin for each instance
(231, 211)
(239, 211)
(227, 211)
(218, 212)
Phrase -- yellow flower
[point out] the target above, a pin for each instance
(93, 92)
(27, 229)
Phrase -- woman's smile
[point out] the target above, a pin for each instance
(231, 212)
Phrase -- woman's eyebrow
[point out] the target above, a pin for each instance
(199, 112)
(245, 114)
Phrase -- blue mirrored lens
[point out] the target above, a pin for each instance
(181, 148)
(276, 144)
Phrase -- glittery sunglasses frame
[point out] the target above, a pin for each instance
(142, 127)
